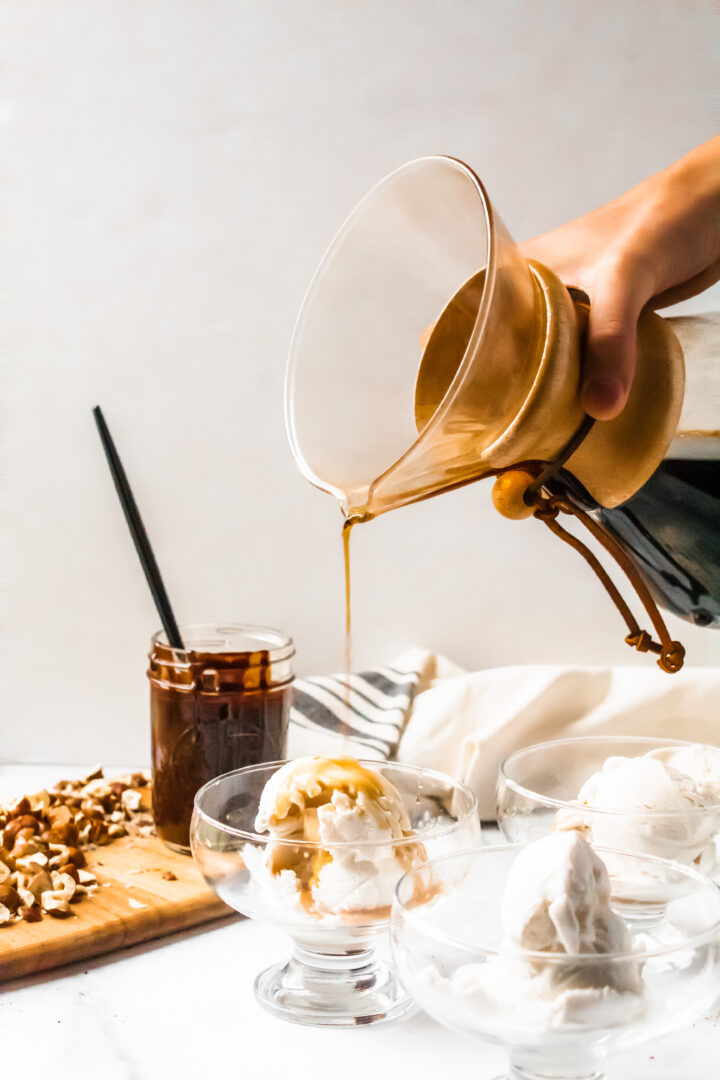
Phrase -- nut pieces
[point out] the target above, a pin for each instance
(42, 865)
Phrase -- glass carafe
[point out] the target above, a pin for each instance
(430, 353)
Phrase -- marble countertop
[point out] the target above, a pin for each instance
(183, 1007)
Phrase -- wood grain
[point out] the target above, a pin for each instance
(128, 869)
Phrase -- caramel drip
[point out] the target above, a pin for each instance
(306, 863)
(346, 530)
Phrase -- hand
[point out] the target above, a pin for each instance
(657, 244)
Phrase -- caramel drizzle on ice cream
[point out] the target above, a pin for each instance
(311, 784)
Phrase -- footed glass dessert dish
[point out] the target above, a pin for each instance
(317, 846)
(657, 797)
(524, 946)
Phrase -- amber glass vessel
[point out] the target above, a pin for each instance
(219, 704)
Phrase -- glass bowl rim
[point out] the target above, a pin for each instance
(568, 804)
(400, 841)
(712, 933)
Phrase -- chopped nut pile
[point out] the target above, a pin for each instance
(42, 838)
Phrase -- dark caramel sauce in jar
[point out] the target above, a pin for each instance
(220, 704)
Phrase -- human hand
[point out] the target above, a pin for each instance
(657, 244)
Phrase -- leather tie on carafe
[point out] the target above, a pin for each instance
(546, 506)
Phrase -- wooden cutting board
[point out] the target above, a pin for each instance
(130, 869)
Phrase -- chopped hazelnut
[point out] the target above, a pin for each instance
(131, 800)
(40, 802)
(38, 860)
(71, 870)
(75, 856)
(10, 832)
(26, 896)
(62, 885)
(24, 847)
(55, 905)
(59, 816)
(10, 898)
(19, 807)
(96, 789)
(27, 821)
(66, 834)
(39, 883)
(92, 809)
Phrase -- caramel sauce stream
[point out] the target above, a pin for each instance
(346, 530)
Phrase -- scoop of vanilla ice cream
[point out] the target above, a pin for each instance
(354, 817)
(700, 763)
(654, 808)
(294, 793)
(363, 876)
(557, 899)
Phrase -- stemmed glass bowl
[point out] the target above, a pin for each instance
(537, 793)
(557, 1015)
(334, 976)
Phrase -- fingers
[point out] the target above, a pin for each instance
(609, 366)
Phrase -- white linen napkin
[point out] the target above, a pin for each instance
(424, 710)
(467, 725)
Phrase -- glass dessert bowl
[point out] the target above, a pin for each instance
(656, 797)
(523, 945)
(317, 846)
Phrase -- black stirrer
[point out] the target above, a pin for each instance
(137, 531)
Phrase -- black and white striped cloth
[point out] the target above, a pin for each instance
(365, 718)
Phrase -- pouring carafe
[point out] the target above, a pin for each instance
(429, 353)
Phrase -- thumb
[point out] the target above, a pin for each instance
(609, 364)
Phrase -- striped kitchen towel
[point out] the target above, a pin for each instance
(363, 719)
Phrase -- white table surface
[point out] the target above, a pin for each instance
(183, 1007)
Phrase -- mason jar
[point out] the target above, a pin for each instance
(219, 704)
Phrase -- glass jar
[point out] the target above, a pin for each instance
(217, 705)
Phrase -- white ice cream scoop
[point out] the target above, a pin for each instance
(291, 798)
(355, 820)
(647, 805)
(700, 763)
(557, 899)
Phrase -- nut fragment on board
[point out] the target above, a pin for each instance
(39, 883)
(9, 898)
(55, 905)
(43, 838)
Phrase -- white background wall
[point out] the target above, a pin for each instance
(173, 171)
